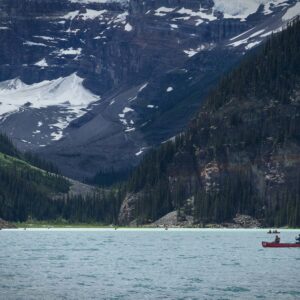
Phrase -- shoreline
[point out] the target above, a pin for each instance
(150, 230)
(46, 227)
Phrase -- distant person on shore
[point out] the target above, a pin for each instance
(277, 240)
(270, 231)
(298, 239)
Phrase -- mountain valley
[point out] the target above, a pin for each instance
(93, 85)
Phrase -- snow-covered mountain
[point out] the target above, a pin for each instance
(93, 84)
(66, 96)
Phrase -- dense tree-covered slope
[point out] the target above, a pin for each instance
(25, 190)
(239, 155)
(30, 189)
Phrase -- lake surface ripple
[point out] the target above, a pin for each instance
(146, 264)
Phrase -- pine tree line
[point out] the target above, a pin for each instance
(251, 105)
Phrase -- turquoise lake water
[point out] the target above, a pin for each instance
(146, 264)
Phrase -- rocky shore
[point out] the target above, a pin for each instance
(173, 220)
(6, 225)
(240, 221)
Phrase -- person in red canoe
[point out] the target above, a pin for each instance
(298, 239)
(277, 240)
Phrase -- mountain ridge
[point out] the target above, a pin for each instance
(117, 50)
(240, 155)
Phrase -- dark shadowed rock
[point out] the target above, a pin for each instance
(128, 210)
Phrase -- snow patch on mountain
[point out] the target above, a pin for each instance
(127, 123)
(127, 109)
(163, 11)
(202, 14)
(233, 9)
(42, 63)
(98, 1)
(58, 127)
(141, 151)
(252, 45)
(271, 32)
(143, 87)
(192, 52)
(46, 38)
(253, 37)
(128, 27)
(241, 9)
(121, 18)
(247, 39)
(29, 43)
(69, 51)
(68, 93)
(89, 14)
(269, 6)
(92, 14)
(292, 12)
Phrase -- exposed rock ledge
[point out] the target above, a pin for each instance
(240, 221)
(246, 221)
(171, 219)
(127, 216)
(127, 211)
(6, 225)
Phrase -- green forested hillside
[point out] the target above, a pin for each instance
(25, 190)
(30, 192)
(242, 152)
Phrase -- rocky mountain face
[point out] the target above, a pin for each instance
(91, 85)
(240, 154)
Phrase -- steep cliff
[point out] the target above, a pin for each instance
(240, 155)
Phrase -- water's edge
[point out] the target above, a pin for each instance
(149, 229)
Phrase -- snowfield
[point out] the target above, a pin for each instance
(67, 93)
(231, 9)
(292, 12)
(241, 9)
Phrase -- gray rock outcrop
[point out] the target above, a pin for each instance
(6, 225)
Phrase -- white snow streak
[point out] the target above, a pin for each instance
(67, 93)
(292, 12)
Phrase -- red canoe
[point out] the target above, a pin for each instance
(280, 245)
